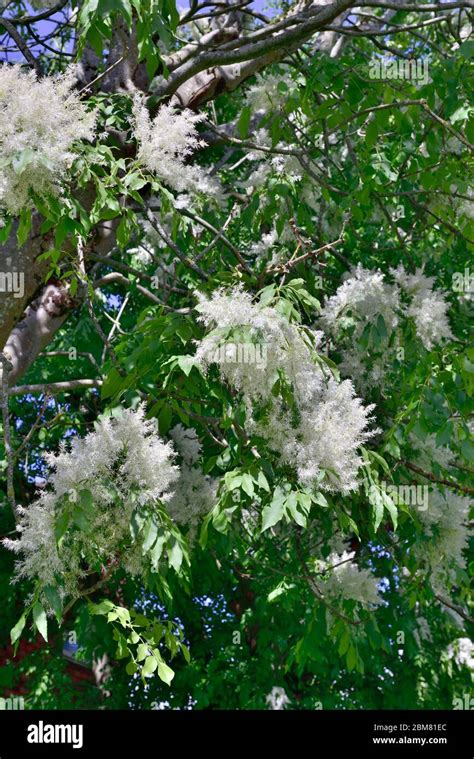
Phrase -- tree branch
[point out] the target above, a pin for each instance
(53, 388)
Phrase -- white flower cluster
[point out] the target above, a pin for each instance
(447, 537)
(359, 301)
(274, 243)
(362, 298)
(195, 493)
(422, 632)
(428, 451)
(277, 699)
(343, 578)
(320, 432)
(40, 120)
(464, 207)
(270, 92)
(428, 306)
(285, 166)
(462, 651)
(166, 142)
(124, 465)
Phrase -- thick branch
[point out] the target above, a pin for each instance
(53, 388)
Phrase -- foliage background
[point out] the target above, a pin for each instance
(383, 170)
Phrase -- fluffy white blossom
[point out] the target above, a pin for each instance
(261, 248)
(187, 443)
(428, 452)
(422, 632)
(343, 578)
(446, 538)
(428, 306)
(466, 207)
(270, 92)
(195, 493)
(166, 142)
(277, 699)
(272, 247)
(124, 465)
(320, 432)
(462, 651)
(40, 122)
(362, 299)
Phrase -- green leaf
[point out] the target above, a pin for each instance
(165, 673)
(150, 534)
(87, 502)
(467, 49)
(131, 668)
(17, 630)
(24, 227)
(149, 666)
(80, 519)
(40, 620)
(142, 652)
(23, 159)
(102, 608)
(292, 505)
(111, 385)
(247, 485)
(351, 658)
(244, 122)
(157, 550)
(175, 554)
(61, 524)
(54, 600)
(272, 513)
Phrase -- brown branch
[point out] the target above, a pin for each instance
(52, 388)
(22, 46)
(285, 267)
(21, 20)
(432, 478)
(458, 609)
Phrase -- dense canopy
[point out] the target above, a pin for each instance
(237, 373)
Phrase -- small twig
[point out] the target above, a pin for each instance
(115, 324)
(285, 267)
(182, 257)
(107, 71)
(33, 429)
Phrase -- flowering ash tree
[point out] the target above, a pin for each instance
(236, 370)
